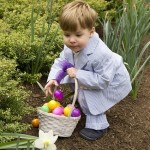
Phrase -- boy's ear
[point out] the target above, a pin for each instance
(92, 31)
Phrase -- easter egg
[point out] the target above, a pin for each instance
(67, 111)
(45, 108)
(46, 104)
(58, 110)
(58, 95)
(76, 112)
(53, 104)
(35, 122)
(58, 104)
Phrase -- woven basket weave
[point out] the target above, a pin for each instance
(61, 125)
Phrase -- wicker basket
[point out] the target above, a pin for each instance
(61, 125)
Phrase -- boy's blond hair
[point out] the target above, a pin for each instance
(77, 14)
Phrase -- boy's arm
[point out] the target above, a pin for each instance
(56, 67)
(101, 77)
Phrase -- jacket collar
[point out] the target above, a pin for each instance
(84, 54)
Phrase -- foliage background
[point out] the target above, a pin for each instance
(12, 99)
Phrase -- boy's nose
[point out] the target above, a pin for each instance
(72, 40)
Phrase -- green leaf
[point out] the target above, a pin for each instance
(16, 135)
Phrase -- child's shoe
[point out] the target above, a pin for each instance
(91, 134)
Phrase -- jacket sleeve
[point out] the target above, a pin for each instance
(102, 75)
(56, 67)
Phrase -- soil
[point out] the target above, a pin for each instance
(129, 122)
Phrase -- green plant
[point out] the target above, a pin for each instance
(125, 36)
(12, 102)
(31, 43)
(46, 26)
(21, 141)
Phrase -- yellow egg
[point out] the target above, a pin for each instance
(52, 104)
(67, 111)
(45, 104)
(58, 104)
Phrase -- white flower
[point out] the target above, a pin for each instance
(46, 141)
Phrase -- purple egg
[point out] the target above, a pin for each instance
(60, 75)
(58, 95)
(58, 110)
(76, 112)
(65, 65)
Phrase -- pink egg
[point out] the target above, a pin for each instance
(58, 95)
(76, 112)
(58, 110)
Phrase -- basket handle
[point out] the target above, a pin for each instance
(75, 96)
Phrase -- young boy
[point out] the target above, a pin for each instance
(101, 74)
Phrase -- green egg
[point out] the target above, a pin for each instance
(45, 108)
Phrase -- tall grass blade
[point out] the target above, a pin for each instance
(13, 144)
(41, 87)
(140, 69)
(22, 141)
(38, 62)
(15, 135)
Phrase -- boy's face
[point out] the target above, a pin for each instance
(76, 41)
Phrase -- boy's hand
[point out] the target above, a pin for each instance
(48, 87)
(72, 72)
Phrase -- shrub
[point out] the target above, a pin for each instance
(19, 42)
(12, 103)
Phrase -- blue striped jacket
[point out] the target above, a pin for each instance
(103, 79)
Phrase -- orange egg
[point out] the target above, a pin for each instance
(35, 122)
(53, 104)
(67, 111)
